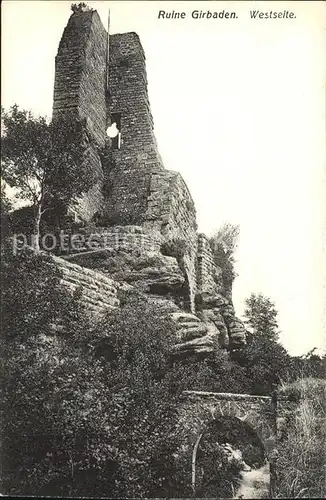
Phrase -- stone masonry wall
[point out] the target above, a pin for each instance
(80, 73)
(132, 165)
(141, 191)
(124, 238)
(171, 212)
(80, 91)
(208, 274)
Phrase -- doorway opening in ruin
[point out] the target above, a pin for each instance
(229, 461)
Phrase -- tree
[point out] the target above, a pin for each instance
(266, 361)
(216, 373)
(311, 364)
(43, 160)
(261, 314)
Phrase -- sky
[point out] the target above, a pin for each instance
(239, 111)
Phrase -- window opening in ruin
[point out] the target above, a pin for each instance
(113, 130)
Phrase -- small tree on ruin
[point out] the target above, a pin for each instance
(223, 244)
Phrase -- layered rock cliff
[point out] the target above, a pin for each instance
(141, 217)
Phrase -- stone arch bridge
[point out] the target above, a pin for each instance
(200, 409)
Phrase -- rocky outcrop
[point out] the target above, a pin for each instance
(235, 327)
(214, 298)
(215, 322)
(129, 254)
(99, 293)
(153, 274)
(140, 217)
(193, 335)
(171, 212)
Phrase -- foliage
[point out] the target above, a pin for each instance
(260, 314)
(223, 245)
(227, 237)
(309, 365)
(257, 368)
(52, 424)
(6, 207)
(266, 362)
(216, 373)
(43, 160)
(6, 204)
(176, 247)
(137, 346)
(81, 7)
(302, 447)
(90, 407)
(94, 403)
(219, 472)
(260, 366)
(33, 299)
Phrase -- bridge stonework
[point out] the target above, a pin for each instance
(199, 409)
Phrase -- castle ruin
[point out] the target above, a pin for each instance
(144, 209)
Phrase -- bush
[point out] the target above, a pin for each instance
(90, 410)
(216, 373)
(223, 245)
(33, 299)
(220, 474)
(176, 247)
(227, 238)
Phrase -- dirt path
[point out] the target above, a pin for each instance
(254, 484)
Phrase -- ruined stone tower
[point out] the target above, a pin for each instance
(80, 90)
(138, 207)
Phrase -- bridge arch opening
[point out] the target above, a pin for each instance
(229, 460)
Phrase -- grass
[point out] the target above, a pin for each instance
(301, 463)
